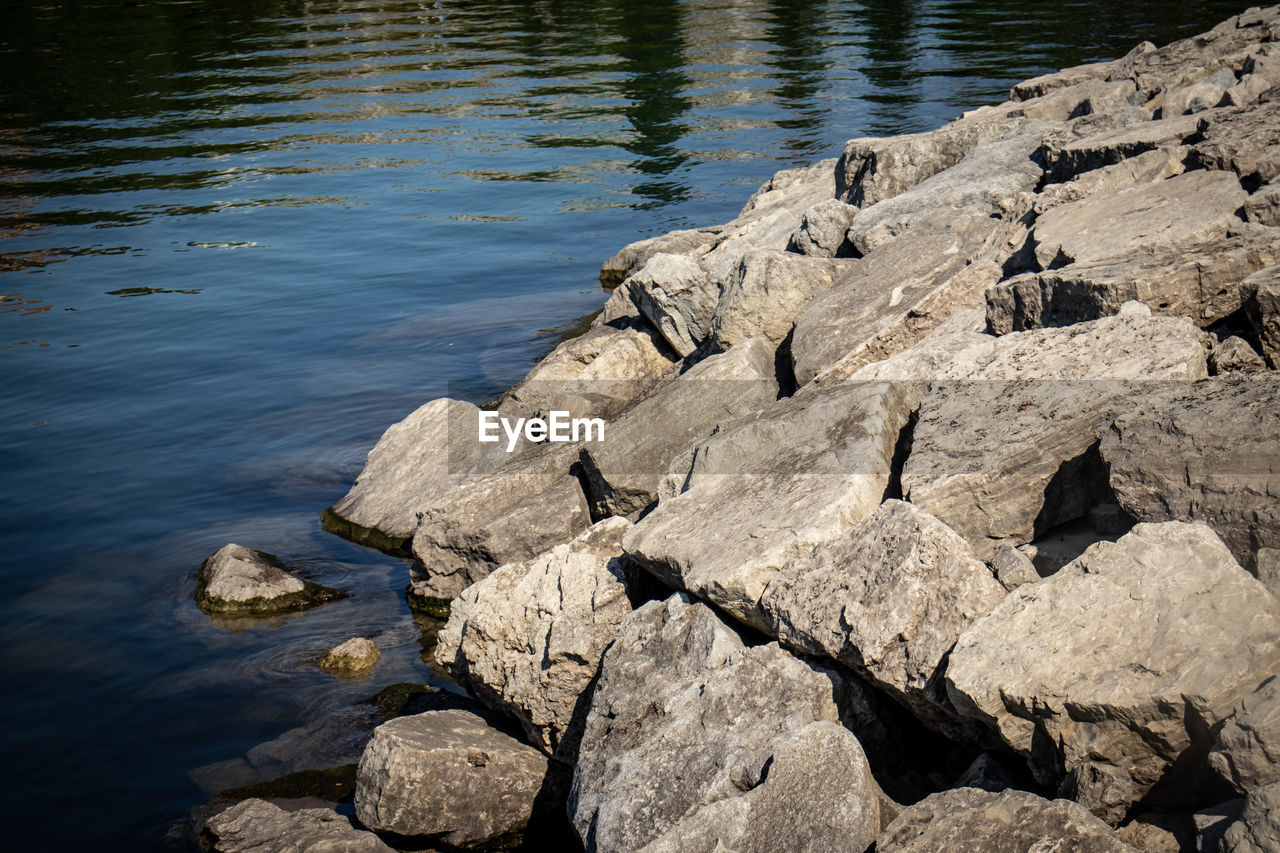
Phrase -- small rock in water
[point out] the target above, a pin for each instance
(356, 656)
(240, 580)
(256, 826)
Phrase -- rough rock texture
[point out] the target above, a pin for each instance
(1245, 140)
(1258, 829)
(1207, 452)
(888, 599)
(1151, 167)
(1263, 206)
(356, 656)
(447, 775)
(621, 474)
(1198, 97)
(801, 472)
(1268, 569)
(1126, 658)
(794, 189)
(1199, 282)
(1000, 452)
(529, 637)
(1260, 293)
(1234, 355)
(1012, 567)
(256, 826)
(532, 503)
(1093, 151)
(822, 230)
(237, 579)
(417, 460)
(633, 257)
(969, 820)
(649, 777)
(1163, 217)
(765, 295)
(676, 295)
(1247, 753)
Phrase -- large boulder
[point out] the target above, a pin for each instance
(529, 637)
(650, 778)
(417, 460)
(1001, 450)
(1114, 672)
(1247, 753)
(969, 820)
(237, 579)
(1260, 293)
(801, 472)
(530, 504)
(256, 826)
(633, 257)
(764, 297)
(1208, 451)
(1152, 218)
(1258, 829)
(794, 189)
(1200, 282)
(621, 473)
(888, 599)
(677, 295)
(447, 776)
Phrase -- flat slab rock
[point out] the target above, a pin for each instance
(449, 776)
(529, 637)
(1114, 670)
(1247, 753)
(1007, 418)
(256, 826)
(969, 820)
(887, 599)
(695, 742)
(801, 472)
(1206, 451)
(237, 579)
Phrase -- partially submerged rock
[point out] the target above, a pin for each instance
(1117, 668)
(1247, 753)
(256, 826)
(529, 637)
(354, 657)
(447, 776)
(237, 579)
(969, 820)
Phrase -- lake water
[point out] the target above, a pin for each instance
(239, 239)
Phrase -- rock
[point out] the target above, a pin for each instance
(768, 228)
(1159, 832)
(1082, 99)
(632, 258)
(871, 170)
(256, 826)
(764, 297)
(1258, 829)
(621, 474)
(1118, 660)
(447, 776)
(1263, 206)
(1198, 97)
(968, 820)
(1093, 151)
(1234, 355)
(1247, 91)
(1149, 168)
(822, 230)
(1203, 452)
(676, 295)
(1189, 209)
(1260, 293)
(414, 463)
(794, 190)
(1247, 753)
(998, 453)
(354, 657)
(986, 773)
(649, 777)
(801, 472)
(529, 637)
(1245, 140)
(1012, 567)
(1198, 57)
(1268, 569)
(1211, 824)
(1199, 282)
(237, 579)
(1073, 76)
(515, 513)
(597, 374)
(888, 599)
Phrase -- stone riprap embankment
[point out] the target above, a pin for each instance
(938, 506)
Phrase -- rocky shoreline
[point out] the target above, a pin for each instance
(938, 509)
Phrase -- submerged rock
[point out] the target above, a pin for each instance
(237, 579)
(354, 657)
(256, 826)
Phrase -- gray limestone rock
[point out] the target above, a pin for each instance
(693, 242)
(765, 295)
(1093, 151)
(1208, 451)
(351, 658)
(1128, 657)
(1012, 567)
(256, 826)
(822, 230)
(529, 637)
(448, 776)
(676, 295)
(795, 189)
(1234, 355)
(1260, 293)
(1245, 140)
(1247, 753)
(1258, 829)
(1263, 206)
(237, 579)
(1199, 96)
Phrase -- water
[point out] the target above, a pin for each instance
(240, 239)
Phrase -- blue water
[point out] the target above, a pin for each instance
(239, 239)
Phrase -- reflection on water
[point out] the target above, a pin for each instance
(337, 208)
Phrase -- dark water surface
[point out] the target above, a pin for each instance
(239, 239)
